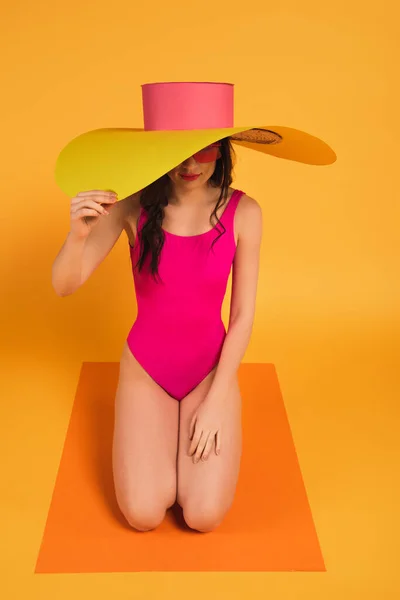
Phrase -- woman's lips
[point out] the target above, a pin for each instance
(189, 177)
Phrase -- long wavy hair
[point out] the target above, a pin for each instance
(154, 198)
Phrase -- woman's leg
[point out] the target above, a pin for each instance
(206, 489)
(144, 446)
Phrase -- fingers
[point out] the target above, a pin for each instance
(208, 446)
(202, 444)
(92, 198)
(88, 208)
(195, 441)
(218, 442)
(191, 427)
(106, 195)
(90, 203)
(200, 448)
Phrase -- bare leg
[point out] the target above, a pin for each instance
(206, 489)
(144, 446)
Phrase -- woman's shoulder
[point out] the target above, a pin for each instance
(248, 213)
(246, 202)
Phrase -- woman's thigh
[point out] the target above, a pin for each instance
(206, 489)
(144, 446)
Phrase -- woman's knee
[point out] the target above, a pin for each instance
(203, 517)
(144, 507)
(144, 516)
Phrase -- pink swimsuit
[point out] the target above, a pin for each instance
(178, 334)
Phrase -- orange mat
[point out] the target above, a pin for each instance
(269, 527)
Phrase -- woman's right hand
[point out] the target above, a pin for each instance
(87, 208)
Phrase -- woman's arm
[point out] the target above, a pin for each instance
(78, 258)
(67, 266)
(248, 221)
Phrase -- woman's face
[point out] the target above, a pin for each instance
(195, 173)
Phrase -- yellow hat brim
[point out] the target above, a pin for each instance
(127, 160)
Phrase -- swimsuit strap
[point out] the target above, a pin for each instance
(228, 214)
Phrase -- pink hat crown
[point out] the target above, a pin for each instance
(187, 106)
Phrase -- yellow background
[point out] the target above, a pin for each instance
(327, 308)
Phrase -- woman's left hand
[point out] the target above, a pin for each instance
(205, 430)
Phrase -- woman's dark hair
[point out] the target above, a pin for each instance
(154, 198)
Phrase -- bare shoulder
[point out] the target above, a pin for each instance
(249, 219)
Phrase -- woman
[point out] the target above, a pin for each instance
(177, 434)
(178, 411)
(177, 429)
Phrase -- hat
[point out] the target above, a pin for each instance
(180, 118)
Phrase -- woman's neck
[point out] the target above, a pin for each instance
(198, 196)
